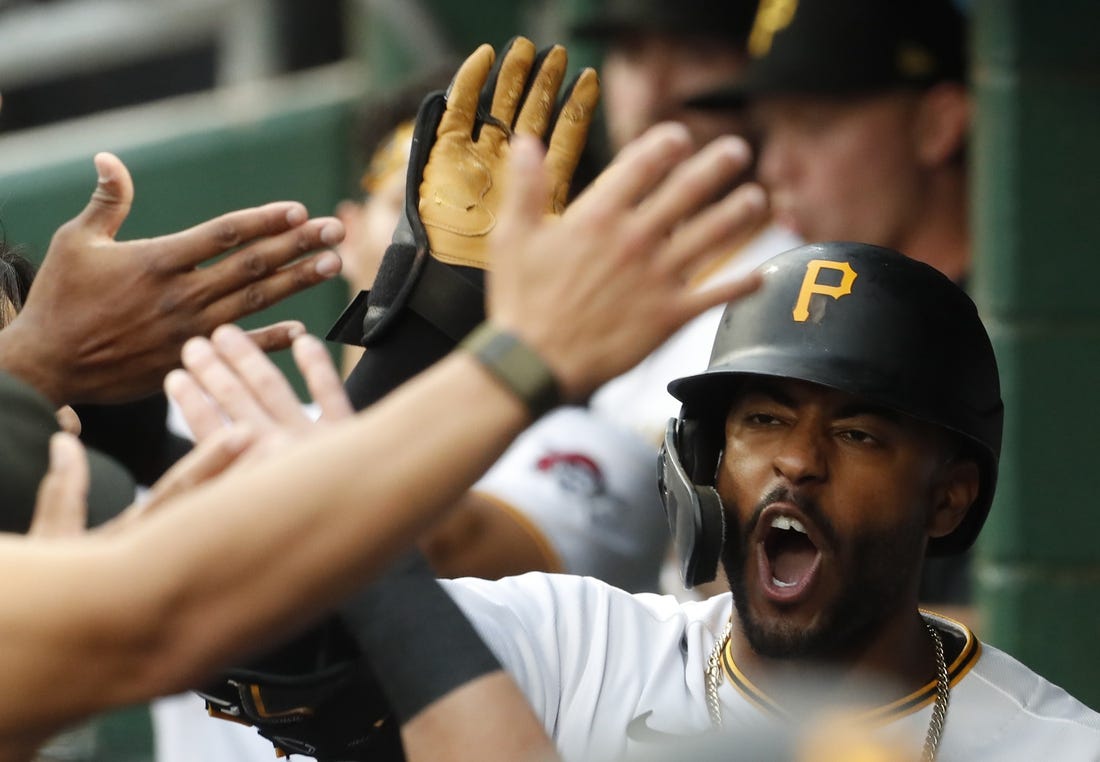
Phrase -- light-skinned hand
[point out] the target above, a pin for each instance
(228, 379)
(597, 289)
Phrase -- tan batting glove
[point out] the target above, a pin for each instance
(462, 187)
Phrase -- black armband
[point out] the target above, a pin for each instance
(418, 642)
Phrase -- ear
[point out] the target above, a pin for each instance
(953, 496)
(943, 123)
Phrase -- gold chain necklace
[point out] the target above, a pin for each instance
(939, 709)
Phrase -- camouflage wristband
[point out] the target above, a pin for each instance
(516, 366)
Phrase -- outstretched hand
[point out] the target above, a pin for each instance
(105, 320)
(595, 290)
(228, 379)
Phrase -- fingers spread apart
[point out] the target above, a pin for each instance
(191, 247)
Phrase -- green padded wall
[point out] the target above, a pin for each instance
(1037, 185)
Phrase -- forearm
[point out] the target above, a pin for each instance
(491, 707)
(326, 532)
(483, 537)
(155, 608)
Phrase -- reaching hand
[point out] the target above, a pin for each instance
(598, 288)
(228, 379)
(106, 319)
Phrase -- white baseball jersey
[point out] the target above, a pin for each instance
(612, 674)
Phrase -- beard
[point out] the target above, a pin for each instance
(875, 567)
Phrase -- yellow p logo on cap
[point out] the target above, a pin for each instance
(810, 286)
(771, 16)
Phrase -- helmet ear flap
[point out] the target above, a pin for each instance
(693, 509)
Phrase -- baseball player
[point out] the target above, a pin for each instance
(848, 424)
(821, 455)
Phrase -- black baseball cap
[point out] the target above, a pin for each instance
(848, 47)
(610, 19)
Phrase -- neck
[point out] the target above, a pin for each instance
(941, 236)
(897, 659)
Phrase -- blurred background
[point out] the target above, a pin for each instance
(221, 104)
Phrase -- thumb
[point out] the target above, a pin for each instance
(110, 202)
(62, 506)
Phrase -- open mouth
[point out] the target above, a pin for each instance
(789, 559)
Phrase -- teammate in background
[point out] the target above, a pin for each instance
(658, 55)
(861, 113)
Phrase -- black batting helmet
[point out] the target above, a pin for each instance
(861, 319)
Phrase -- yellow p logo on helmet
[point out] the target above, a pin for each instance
(810, 286)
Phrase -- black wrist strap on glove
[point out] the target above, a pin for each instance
(418, 642)
(447, 304)
(409, 348)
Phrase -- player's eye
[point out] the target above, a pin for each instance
(858, 436)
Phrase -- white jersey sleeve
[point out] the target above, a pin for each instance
(589, 490)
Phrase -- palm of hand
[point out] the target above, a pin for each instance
(458, 198)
